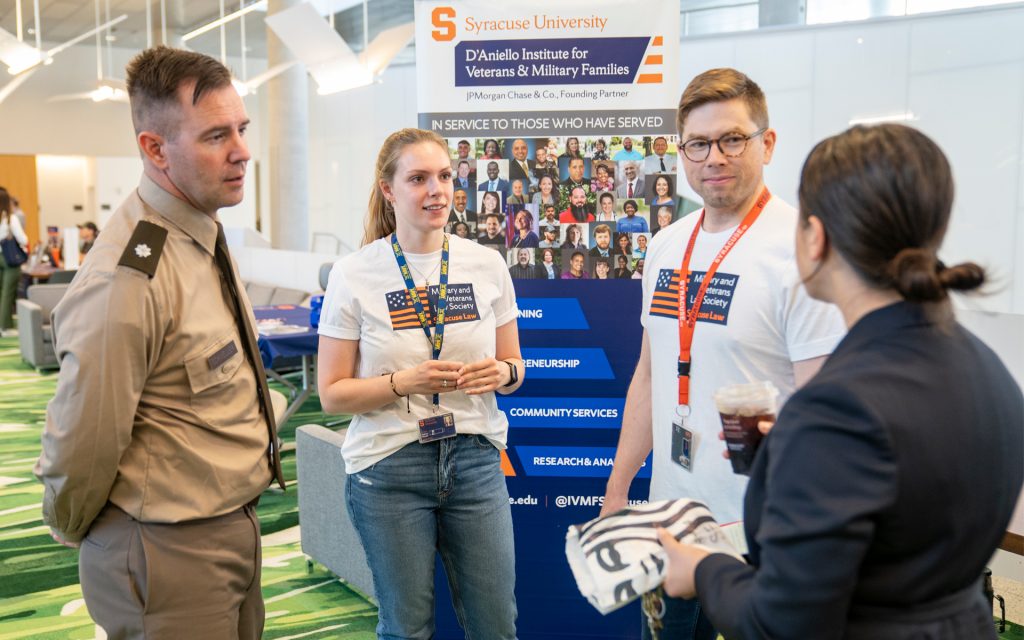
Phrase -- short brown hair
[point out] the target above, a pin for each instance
(154, 77)
(720, 85)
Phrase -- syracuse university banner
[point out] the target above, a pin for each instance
(560, 122)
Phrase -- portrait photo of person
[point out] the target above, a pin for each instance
(602, 244)
(602, 268)
(639, 243)
(623, 244)
(462, 230)
(523, 233)
(572, 148)
(516, 197)
(605, 207)
(662, 192)
(546, 192)
(574, 237)
(627, 152)
(631, 181)
(523, 267)
(664, 216)
(622, 270)
(550, 260)
(491, 231)
(490, 202)
(465, 177)
(575, 172)
(520, 166)
(578, 209)
(490, 150)
(494, 176)
(549, 216)
(631, 220)
(462, 149)
(461, 211)
(604, 176)
(638, 269)
(660, 160)
(600, 150)
(549, 238)
(545, 164)
(575, 265)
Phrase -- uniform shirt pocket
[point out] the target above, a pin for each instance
(210, 372)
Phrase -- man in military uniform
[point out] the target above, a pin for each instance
(158, 441)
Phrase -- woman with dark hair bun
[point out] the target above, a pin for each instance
(890, 477)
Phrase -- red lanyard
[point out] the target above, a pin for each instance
(688, 317)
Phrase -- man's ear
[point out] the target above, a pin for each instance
(769, 144)
(152, 145)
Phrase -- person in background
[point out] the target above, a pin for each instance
(18, 213)
(550, 240)
(516, 197)
(574, 238)
(627, 152)
(623, 245)
(602, 267)
(87, 232)
(640, 250)
(572, 148)
(664, 219)
(603, 180)
(10, 227)
(600, 149)
(630, 222)
(870, 512)
(461, 229)
(415, 492)
(523, 270)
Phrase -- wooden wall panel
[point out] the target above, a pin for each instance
(18, 176)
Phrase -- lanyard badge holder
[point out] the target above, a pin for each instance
(440, 425)
(684, 439)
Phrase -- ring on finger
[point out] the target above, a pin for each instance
(444, 384)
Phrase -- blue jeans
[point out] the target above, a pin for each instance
(446, 497)
(684, 620)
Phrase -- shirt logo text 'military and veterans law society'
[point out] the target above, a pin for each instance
(461, 306)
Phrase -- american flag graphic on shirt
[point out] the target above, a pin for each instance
(717, 298)
(461, 306)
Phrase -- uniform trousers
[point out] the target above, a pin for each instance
(198, 579)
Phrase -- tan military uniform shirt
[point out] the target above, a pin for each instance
(143, 416)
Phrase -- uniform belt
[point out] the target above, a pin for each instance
(942, 607)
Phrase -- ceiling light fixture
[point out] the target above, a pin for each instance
(895, 117)
(259, 5)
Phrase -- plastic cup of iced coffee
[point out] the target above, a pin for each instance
(741, 407)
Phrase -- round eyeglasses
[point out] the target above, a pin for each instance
(731, 145)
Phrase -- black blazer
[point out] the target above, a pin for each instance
(515, 172)
(882, 491)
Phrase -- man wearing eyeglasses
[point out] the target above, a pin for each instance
(753, 320)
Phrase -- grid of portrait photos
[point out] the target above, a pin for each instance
(566, 208)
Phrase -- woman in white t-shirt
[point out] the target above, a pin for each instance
(11, 227)
(419, 417)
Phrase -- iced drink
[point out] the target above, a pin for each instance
(741, 407)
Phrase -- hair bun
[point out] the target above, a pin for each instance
(915, 275)
(966, 276)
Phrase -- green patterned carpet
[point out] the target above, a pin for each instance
(39, 592)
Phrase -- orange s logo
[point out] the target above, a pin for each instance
(441, 17)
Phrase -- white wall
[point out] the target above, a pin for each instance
(962, 76)
(64, 182)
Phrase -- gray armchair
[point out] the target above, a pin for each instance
(35, 337)
(326, 531)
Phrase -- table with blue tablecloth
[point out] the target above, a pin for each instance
(285, 332)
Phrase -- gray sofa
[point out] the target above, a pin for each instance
(263, 295)
(35, 337)
(326, 531)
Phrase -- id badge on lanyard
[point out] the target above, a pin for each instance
(684, 440)
(440, 425)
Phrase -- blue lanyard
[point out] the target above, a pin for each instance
(437, 340)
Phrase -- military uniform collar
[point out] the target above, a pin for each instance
(194, 223)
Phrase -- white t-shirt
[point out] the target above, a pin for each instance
(366, 300)
(756, 320)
